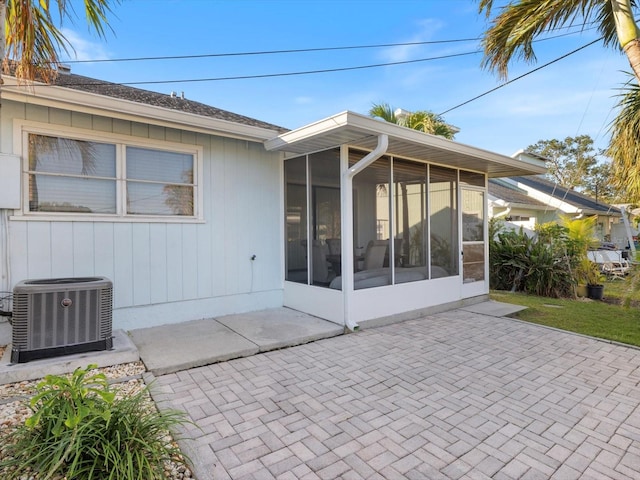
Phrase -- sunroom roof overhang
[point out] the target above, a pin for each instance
(353, 129)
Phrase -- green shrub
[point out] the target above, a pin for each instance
(508, 252)
(548, 273)
(537, 265)
(80, 430)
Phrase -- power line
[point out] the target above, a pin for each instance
(332, 70)
(522, 76)
(342, 69)
(274, 52)
(283, 74)
(302, 50)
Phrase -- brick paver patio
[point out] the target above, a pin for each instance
(453, 395)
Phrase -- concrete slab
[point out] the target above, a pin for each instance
(124, 351)
(280, 327)
(493, 308)
(174, 347)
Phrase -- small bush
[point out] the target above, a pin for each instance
(80, 430)
(537, 265)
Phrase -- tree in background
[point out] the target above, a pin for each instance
(520, 22)
(573, 163)
(33, 41)
(600, 183)
(569, 160)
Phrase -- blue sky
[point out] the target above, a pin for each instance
(571, 97)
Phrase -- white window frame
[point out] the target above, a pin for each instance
(22, 129)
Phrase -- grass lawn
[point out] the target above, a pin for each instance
(607, 319)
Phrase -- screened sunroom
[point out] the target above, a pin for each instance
(382, 221)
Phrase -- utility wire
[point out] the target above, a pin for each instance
(333, 70)
(342, 69)
(522, 76)
(274, 52)
(302, 50)
(283, 74)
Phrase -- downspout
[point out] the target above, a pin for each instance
(346, 189)
(503, 214)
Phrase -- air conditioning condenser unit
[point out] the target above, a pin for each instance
(61, 316)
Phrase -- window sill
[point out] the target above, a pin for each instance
(103, 218)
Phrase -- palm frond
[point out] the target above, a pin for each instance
(624, 147)
(383, 111)
(429, 122)
(34, 42)
(520, 22)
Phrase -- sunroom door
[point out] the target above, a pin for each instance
(473, 242)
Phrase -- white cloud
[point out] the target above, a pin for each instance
(427, 30)
(83, 49)
(303, 100)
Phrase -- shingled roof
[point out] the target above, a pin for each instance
(172, 102)
(510, 193)
(568, 195)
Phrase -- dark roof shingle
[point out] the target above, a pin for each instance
(577, 199)
(511, 193)
(147, 97)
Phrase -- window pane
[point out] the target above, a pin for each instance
(159, 199)
(71, 157)
(295, 180)
(67, 181)
(71, 194)
(410, 180)
(473, 216)
(159, 166)
(471, 178)
(371, 190)
(443, 221)
(325, 225)
(473, 262)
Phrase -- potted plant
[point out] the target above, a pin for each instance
(582, 273)
(595, 287)
(580, 238)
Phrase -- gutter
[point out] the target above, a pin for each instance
(346, 189)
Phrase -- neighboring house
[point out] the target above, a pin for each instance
(195, 212)
(531, 200)
(515, 207)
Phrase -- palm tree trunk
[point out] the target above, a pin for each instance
(628, 33)
(632, 49)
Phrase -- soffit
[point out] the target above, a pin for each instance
(359, 131)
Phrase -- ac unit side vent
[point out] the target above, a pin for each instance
(60, 316)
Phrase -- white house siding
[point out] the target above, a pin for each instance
(166, 272)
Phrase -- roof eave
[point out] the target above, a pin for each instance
(357, 130)
(86, 102)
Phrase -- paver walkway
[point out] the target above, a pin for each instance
(452, 395)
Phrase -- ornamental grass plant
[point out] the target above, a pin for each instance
(80, 429)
